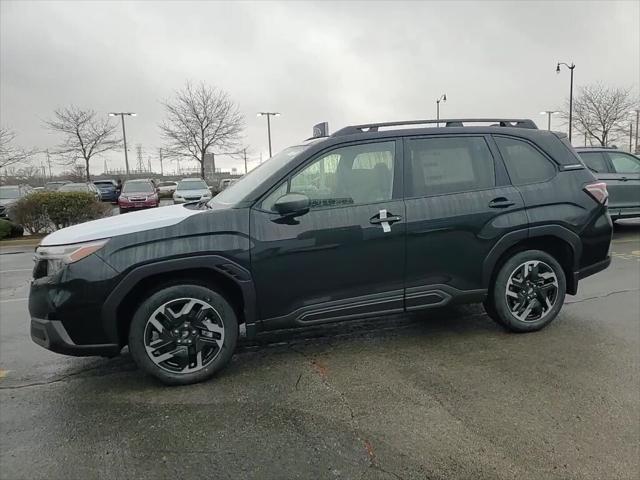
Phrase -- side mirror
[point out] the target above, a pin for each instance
(292, 205)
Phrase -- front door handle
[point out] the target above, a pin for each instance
(501, 202)
(385, 219)
(623, 179)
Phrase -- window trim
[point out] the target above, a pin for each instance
(398, 177)
(535, 147)
(409, 169)
(607, 156)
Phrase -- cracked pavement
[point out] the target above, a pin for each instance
(445, 394)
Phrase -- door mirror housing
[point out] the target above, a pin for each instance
(292, 205)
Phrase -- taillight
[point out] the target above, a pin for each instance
(598, 191)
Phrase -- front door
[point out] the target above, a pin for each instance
(345, 257)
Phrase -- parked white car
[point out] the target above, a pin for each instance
(191, 190)
(167, 189)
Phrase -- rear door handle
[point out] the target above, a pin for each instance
(623, 179)
(501, 202)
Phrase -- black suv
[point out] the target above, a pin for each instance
(368, 221)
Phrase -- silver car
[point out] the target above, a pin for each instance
(10, 194)
(87, 187)
(621, 172)
(191, 190)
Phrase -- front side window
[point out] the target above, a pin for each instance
(624, 163)
(439, 166)
(525, 163)
(354, 175)
(595, 161)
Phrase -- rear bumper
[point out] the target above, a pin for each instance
(591, 269)
(624, 212)
(52, 335)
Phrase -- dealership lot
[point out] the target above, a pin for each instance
(443, 394)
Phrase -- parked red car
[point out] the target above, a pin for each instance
(138, 194)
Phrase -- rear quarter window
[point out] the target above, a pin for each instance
(525, 163)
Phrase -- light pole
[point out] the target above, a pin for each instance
(442, 98)
(570, 67)
(548, 113)
(637, 112)
(269, 115)
(124, 134)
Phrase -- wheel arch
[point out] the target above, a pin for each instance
(214, 271)
(561, 243)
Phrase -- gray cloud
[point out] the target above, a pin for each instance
(344, 62)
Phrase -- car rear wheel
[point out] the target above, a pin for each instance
(528, 292)
(183, 334)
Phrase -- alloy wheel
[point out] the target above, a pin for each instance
(184, 335)
(532, 291)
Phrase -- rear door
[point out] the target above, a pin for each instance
(459, 203)
(600, 165)
(626, 175)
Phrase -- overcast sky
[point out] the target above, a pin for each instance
(347, 62)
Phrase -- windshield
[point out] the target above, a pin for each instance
(74, 187)
(192, 185)
(9, 192)
(104, 184)
(137, 187)
(238, 190)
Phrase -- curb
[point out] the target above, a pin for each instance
(30, 242)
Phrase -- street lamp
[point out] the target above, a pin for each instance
(269, 115)
(549, 113)
(637, 112)
(442, 98)
(570, 67)
(124, 134)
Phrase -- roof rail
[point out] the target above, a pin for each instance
(458, 122)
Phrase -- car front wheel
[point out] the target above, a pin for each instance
(183, 334)
(528, 292)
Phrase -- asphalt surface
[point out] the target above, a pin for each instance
(445, 394)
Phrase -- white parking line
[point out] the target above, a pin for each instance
(14, 300)
(17, 270)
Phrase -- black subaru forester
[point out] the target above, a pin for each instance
(374, 219)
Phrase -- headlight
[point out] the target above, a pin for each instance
(59, 256)
(206, 195)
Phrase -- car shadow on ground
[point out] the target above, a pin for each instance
(431, 325)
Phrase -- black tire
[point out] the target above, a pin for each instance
(222, 313)
(122, 210)
(498, 307)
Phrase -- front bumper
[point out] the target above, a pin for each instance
(52, 335)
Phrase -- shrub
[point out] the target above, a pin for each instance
(47, 211)
(9, 229)
(29, 212)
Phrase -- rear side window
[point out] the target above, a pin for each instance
(449, 165)
(525, 163)
(595, 161)
(624, 163)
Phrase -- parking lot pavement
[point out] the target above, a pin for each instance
(444, 394)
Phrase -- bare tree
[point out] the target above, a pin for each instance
(602, 113)
(85, 135)
(200, 120)
(10, 154)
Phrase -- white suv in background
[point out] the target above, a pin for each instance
(191, 190)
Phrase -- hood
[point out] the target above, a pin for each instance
(120, 225)
(193, 193)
